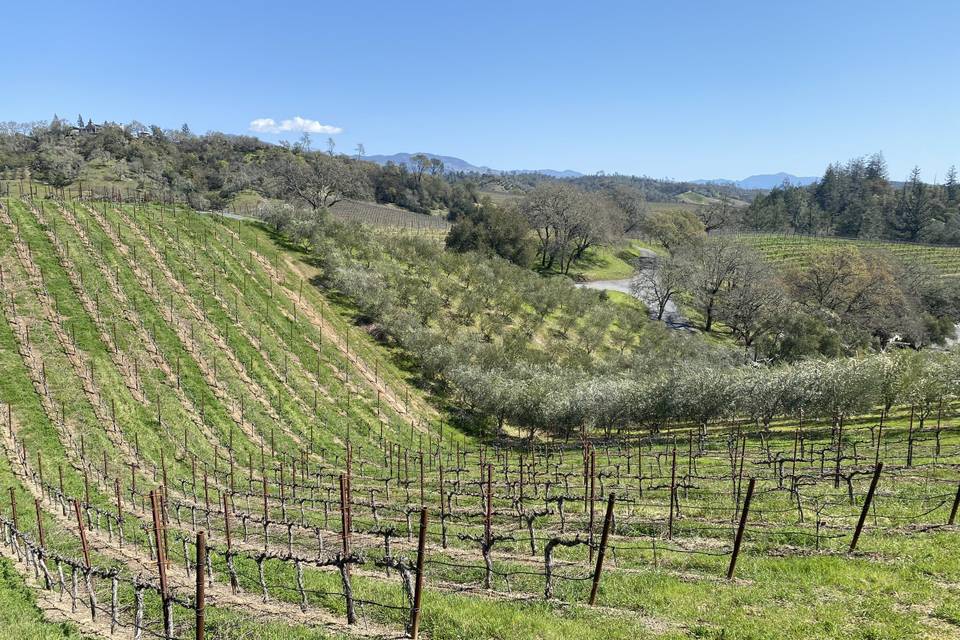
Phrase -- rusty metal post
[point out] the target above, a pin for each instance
(40, 537)
(866, 506)
(161, 558)
(418, 589)
(743, 525)
(83, 534)
(673, 493)
(345, 535)
(593, 497)
(956, 503)
(13, 508)
(201, 583)
(488, 509)
(226, 533)
(607, 521)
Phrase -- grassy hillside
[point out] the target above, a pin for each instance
(151, 348)
(610, 262)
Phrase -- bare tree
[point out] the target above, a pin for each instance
(547, 208)
(361, 151)
(718, 214)
(598, 222)
(631, 202)
(568, 222)
(658, 285)
(713, 267)
(317, 180)
(331, 146)
(305, 141)
(752, 301)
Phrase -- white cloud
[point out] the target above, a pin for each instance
(269, 125)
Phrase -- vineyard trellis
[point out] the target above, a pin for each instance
(534, 476)
(332, 529)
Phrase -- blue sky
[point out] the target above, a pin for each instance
(667, 89)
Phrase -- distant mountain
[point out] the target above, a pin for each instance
(763, 181)
(451, 163)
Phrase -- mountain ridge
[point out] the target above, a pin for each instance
(452, 163)
(763, 180)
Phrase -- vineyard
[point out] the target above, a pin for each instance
(795, 250)
(379, 215)
(200, 441)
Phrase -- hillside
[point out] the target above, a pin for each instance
(169, 372)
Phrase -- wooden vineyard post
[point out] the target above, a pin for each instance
(418, 588)
(866, 506)
(953, 510)
(607, 520)
(743, 525)
(201, 579)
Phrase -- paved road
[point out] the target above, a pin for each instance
(227, 214)
(671, 315)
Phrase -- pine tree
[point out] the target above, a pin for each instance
(80, 121)
(914, 210)
(952, 186)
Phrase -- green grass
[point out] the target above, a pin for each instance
(692, 197)
(610, 262)
(20, 618)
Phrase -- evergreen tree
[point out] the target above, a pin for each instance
(914, 210)
(951, 186)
